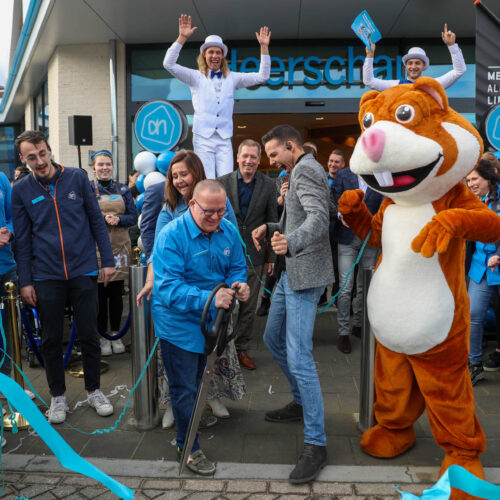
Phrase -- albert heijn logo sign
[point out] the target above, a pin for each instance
(160, 125)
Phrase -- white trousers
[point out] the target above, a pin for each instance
(215, 153)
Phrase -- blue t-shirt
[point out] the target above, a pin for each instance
(7, 261)
(188, 264)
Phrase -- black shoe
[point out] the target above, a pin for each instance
(311, 461)
(265, 304)
(476, 373)
(344, 344)
(356, 331)
(292, 412)
(493, 362)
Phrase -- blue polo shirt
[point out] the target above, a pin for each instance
(188, 264)
(6, 256)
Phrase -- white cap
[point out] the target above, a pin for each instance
(417, 53)
(214, 41)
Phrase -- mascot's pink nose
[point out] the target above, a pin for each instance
(373, 142)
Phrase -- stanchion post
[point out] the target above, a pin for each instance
(146, 414)
(367, 386)
(20, 421)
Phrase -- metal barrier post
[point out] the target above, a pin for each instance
(141, 323)
(8, 420)
(367, 386)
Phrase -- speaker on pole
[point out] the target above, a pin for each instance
(80, 130)
(80, 133)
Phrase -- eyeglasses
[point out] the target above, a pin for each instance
(211, 212)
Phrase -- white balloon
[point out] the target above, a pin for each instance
(139, 220)
(145, 162)
(153, 178)
(139, 244)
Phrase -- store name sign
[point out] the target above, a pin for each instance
(315, 71)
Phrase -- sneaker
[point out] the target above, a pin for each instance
(492, 364)
(4, 442)
(105, 347)
(168, 417)
(118, 347)
(207, 421)
(311, 461)
(292, 412)
(57, 410)
(101, 403)
(476, 373)
(27, 391)
(218, 408)
(198, 463)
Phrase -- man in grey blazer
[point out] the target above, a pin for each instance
(302, 237)
(253, 197)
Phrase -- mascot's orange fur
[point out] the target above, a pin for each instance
(416, 150)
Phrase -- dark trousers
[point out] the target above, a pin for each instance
(184, 371)
(247, 309)
(110, 298)
(52, 296)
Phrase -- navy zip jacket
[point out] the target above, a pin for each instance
(56, 232)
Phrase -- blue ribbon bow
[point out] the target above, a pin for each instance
(218, 74)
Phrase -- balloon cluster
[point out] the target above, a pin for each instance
(152, 170)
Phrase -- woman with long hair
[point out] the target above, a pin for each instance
(484, 273)
(212, 88)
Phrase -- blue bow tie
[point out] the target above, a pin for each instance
(218, 74)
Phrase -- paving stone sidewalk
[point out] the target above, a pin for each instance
(73, 487)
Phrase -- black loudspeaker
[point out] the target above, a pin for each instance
(80, 130)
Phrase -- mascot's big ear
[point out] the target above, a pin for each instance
(434, 89)
(368, 96)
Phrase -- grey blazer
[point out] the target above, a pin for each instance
(304, 222)
(263, 208)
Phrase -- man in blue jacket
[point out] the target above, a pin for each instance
(57, 222)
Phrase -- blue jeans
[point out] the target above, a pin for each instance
(6, 367)
(184, 371)
(288, 335)
(480, 295)
(347, 257)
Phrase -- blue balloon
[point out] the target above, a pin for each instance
(139, 201)
(163, 161)
(139, 183)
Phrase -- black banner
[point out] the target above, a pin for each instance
(487, 60)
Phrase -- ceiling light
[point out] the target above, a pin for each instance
(320, 118)
(242, 126)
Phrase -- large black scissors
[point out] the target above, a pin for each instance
(216, 339)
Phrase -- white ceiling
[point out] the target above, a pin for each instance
(155, 21)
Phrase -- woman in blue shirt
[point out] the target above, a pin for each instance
(119, 212)
(484, 271)
(184, 172)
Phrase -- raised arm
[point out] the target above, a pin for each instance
(242, 80)
(186, 75)
(457, 59)
(368, 79)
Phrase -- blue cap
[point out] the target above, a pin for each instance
(101, 152)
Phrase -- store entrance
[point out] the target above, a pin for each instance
(327, 131)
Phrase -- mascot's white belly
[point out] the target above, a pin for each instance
(410, 305)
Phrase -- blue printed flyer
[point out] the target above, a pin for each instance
(365, 29)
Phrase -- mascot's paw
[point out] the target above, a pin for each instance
(351, 201)
(387, 443)
(472, 464)
(434, 237)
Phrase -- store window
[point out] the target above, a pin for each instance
(41, 110)
(7, 150)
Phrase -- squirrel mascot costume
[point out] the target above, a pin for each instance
(416, 151)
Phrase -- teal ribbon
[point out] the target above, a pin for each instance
(62, 450)
(459, 478)
(334, 298)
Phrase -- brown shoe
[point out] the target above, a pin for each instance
(344, 344)
(246, 361)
